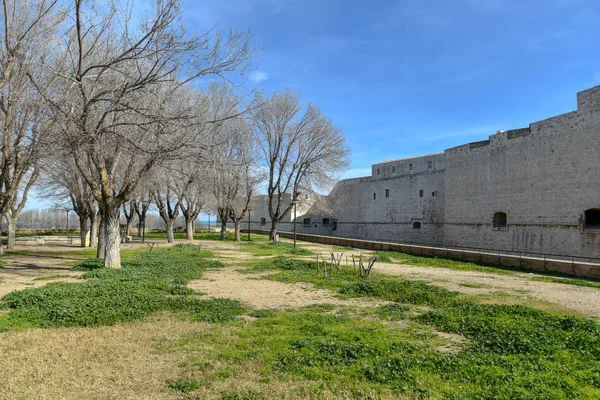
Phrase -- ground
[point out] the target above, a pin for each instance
(141, 359)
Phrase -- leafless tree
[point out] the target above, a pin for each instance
(129, 213)
(16, 206)
(119, 83)
(301, 149)
(168, 204)
(141, 205)
(61, 179)
(26, 37)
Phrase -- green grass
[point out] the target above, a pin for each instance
(511, 351)
(147, 283)
(207, 236)
(438, 262)
(275, 248)
(567, 281)
(508, 352)
(49, 277)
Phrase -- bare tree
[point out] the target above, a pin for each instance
(119, 83)
(300, 148)
(129, 214)
(17, 205)
(26, 38)
(141, 205)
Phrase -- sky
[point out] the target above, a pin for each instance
(405, 78)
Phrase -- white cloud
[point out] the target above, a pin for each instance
(258, 76)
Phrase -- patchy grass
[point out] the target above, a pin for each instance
(438, 262)
(50, 277)
(207, 236)
(567, 281)
(513, 351)
(275, 248)
(147, 283)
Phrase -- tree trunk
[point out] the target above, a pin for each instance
(223, 229)
(273, 235)
(83, 228)
(238, 229)
(170, 236)
(93, 230)
(101, 239)
(129, 226)
(189, 228)
(139, 227)
(12, 232)
(112, 240)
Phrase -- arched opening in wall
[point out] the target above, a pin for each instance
(416, 225)
(500, 220)
(591, 219)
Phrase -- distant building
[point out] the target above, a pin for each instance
(533, 190)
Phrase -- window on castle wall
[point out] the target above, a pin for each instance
(263, 221)
(307, 221)
(429, 164)
(378, 171)
(410, 167)
(420, 193)
(416, 225)
(325, 221)
(387, 192)
(334, 226)
(591, 219)
(393, 169)
(374, 196)
(500, 220)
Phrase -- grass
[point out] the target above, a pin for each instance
(147, 283)
(207, 236)
(438, 262)
(422, 342)
(275, 248)
(567, 281)
(511, 351)
(49, 277)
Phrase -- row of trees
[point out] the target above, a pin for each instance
(112, 109)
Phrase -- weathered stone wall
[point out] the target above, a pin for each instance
(543, 178)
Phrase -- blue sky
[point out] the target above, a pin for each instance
(404, 78)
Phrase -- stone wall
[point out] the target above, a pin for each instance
(543, 177)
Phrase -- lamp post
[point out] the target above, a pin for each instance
(68, 211)
(209, 214)
(295, 203)
(249, 213)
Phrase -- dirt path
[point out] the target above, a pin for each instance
(19, 271)
(262, 294)
(578, 299)
(583, 300)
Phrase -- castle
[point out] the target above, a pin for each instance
(530, 190)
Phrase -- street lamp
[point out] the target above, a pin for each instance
(295, 203)
(68, 211)
(249, 213)
(209, 214)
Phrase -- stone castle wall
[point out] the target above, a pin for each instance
(543, 177)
